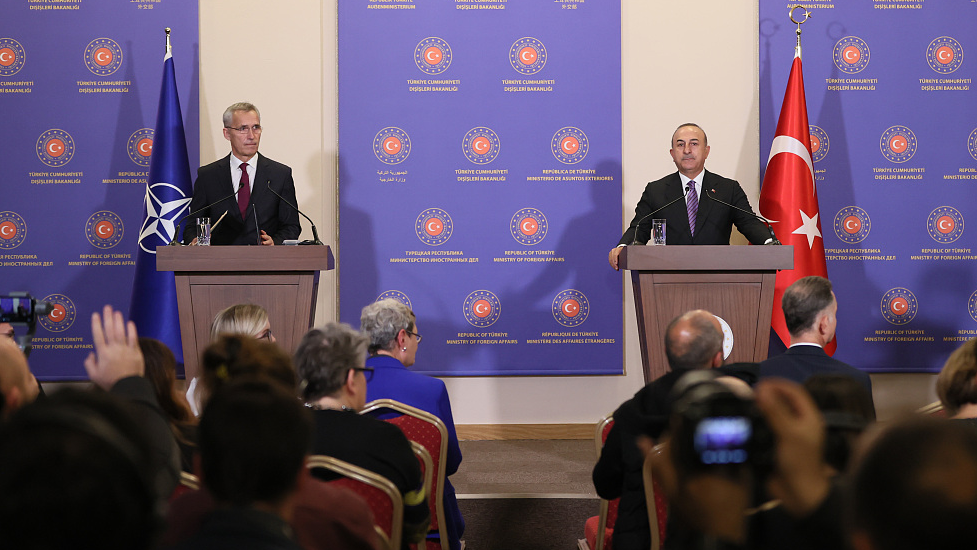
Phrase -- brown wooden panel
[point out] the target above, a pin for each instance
(244, 258)
(283, 280)
(733, 282)
(706, 258)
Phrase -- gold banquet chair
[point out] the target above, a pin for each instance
(598, 529)
(429, 431)
(380, 494)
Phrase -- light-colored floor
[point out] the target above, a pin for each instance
(526, 468)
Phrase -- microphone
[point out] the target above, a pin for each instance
(257, 230)
(176, 234)
(653, 212)
(315, 234)
(774, 240)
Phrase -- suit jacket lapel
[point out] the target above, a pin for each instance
(226, 187)
(261, 181)
(673, 189)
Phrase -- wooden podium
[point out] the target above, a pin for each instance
(282, 279)
(734, 282)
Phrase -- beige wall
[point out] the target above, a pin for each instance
(687, 61)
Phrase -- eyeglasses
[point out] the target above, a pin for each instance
(367, 372)
(414, 334)
(243, 130)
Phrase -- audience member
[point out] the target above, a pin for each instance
(245, 319)
(235, 356)
(324, 517)
(693, 341)
(334, 384)
(248, 319)
(161, 372)
(916, 487)
(254, 437)
(957, 383)
(810, 310)
(18, 386)
(847, 409)
(78, 472)
(79, 459)
(392, 328)
(117, 366)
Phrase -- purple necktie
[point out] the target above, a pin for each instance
(244, 195)
(692, 205)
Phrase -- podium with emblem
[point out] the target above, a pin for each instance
(736, 283)
(282, 279)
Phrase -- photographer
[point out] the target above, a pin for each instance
(784, 450)
(693, 341)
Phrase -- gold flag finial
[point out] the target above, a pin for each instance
(168, 52)
(807, 15)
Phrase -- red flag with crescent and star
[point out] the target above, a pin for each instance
(789, 197)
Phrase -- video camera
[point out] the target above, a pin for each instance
(716, 430)
(22, 309)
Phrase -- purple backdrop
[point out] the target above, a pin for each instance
(79, 88)
(893, 114)
(480, 179)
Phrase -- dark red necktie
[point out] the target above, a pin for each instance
(244, 195)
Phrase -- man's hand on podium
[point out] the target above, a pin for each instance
(612, 257)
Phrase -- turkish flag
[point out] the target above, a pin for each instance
(789, 197)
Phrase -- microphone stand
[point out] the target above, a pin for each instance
(315, 233)
(634, 240)
(773, 236)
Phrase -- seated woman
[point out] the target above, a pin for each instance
(324, 517)
(329, 362)
(161, 371)
(956, 385)
(392, 329)
(246, 319)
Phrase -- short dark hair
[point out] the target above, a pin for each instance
(325, 356)
(692, 124)
(71, 462)
(848, 409)
(956, 385)
(254, 437)
(694, 352)
(803, 301)
(916, 486)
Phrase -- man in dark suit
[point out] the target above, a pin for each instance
(810, 309)
(713, 222)
(255, 214)
(693, 341)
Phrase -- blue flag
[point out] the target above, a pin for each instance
(153, 307)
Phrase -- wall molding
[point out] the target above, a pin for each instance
(482, 432)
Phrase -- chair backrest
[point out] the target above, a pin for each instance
(188, 482)
(933, 409)
(655, 501)
(427, 472)
(380, 494)
(430, 432)
(608, 508)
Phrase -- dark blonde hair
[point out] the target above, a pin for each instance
(247, 319)
(235, 357)
(956, 385)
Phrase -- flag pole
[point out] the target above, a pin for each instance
(797, 48)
